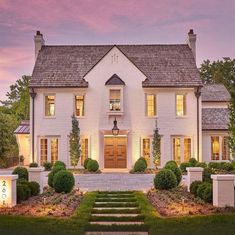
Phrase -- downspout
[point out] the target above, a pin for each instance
(32, 95)
(198, 94)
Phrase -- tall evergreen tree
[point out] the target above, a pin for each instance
(156, 146)
(74, 142)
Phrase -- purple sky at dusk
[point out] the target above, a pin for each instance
(110, 22)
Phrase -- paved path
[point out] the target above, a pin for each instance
(114, 181)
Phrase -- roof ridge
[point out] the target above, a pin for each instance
(112, 45)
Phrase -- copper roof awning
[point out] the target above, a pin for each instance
(23, 128)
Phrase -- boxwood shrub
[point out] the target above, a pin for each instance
(86, 162)
(55, 170)
(176, 171)
(92, 165)
(34, 187)
(165, 179)
(60, 163)
(192, 161)
(171, 163)
(33, 164)
(201, 164)
(140, 165)
(63, 181)
(47, 166)
(206, 174)
(204, 191)
(194, 186)
(23, 192)
(184, 165)
(22, 172)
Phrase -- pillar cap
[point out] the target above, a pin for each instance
(223, 177)
(194, 169)
(36, 169)
(10, 177)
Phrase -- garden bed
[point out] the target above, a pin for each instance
(179, 202)
(49, 203)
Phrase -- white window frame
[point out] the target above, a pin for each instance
(74, 104)
(44, 105)
(186, 104)
(145, 102)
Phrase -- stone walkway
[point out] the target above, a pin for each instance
(114, 182)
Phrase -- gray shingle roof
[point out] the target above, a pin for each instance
(215, 118)
(163, 65)
(215, 92)
(23, 128)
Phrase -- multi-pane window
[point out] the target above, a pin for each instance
(54, 150)
(215, 148)
(176, 150)
(225, 149)
(79, 105)
(180, 105)
(187, 149)
(49, 105)
(84, 150)
(115, 100)
(146, 149)
(43, 150)
(150, 105)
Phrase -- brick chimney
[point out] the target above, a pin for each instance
(191, 41)
(38, 42)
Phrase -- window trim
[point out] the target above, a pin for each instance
(155, 107)
(185, 109)
(74, 104)
(44, 105)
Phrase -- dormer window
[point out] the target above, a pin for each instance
(115, 100)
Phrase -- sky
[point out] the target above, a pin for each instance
(110, 22)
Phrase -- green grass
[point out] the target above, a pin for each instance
(113, 218)
(108, 204)
(116, 211)
(116, 200)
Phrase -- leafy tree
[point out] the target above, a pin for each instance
(156, 144)
(18, 98)
(74, 141)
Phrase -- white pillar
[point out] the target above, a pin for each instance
(8, 190)
(194, 174)
(223, 190)
(36, 174)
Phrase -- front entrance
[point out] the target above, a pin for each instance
(115, 152)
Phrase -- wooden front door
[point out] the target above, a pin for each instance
(115, 152)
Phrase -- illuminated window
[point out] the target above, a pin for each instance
(225, 149)
(79, 105)
(115, 100)
(180, 105)
(215, 148)
(54, 150)
(43, 150)
(84, 150)
(146, 149)
(176, 150)
(150, 105)
(49, 105)
(187, 149)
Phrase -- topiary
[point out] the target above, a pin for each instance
(92, 166)
(22, 181)
(85, 162)
(201, 188)
(47, 166)
(194, 186)
(206, 174)
(143, 160)
(165, 179)
(59, 163)
(63, 181)
(33, 164)
(207, 194)
(22, 172)
(34, 187)
(58, 168)
(184, 165)
(140, 166)
(192, 161)
(55, 170)
(23, 192)
(176, 171)
(171, 163)
(201, 164)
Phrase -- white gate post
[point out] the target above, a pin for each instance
(194, 174)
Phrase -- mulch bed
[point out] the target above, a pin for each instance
(179, 202)
(49, 203)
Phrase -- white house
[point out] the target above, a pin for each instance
(139, 86)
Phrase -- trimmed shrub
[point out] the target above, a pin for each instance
(60, 163)
(34, 187)
(171, 163)
(206, 175)
(63, 181)
(86, 162)
(33, 164)
(194, 186)
(213, 165)
(22, 172)
(47, 166)
(227, 166)
(58, 168)
(140, 165)
(92, 166)
(165, 179)
(207, 194)
(23, 192)
(192, 161)
(201, 188)
(50, 179)
(176, 171)
(201, 164)
(22, 181)
(55, 170)
(144, 160)
(184, 165)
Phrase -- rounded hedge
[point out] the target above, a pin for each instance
(140, 165)
(176, 171)
(201, 164)
(192, 161)
(194, 186)
(206, 174)
(92, 166)
(171, 163)
(47, 166)
(85, 162)
(165, 179)
(23, 192)
(207, 194)
(33, 164)
(50, 179)
(34, 187)
(63, 181)
(201, 188)
(60, 163)
(144, 161)
(22, 172)
(184, 165)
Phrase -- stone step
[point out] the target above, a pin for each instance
(115, 208)
(116, 215)
(116, 222)
(113, 202)
(116, 233)
(112, 195)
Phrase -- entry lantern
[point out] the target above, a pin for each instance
(115, 129)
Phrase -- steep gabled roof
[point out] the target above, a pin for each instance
(163, 65)
(115, 80)
(215, 92)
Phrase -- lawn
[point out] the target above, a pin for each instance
(23, 225)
